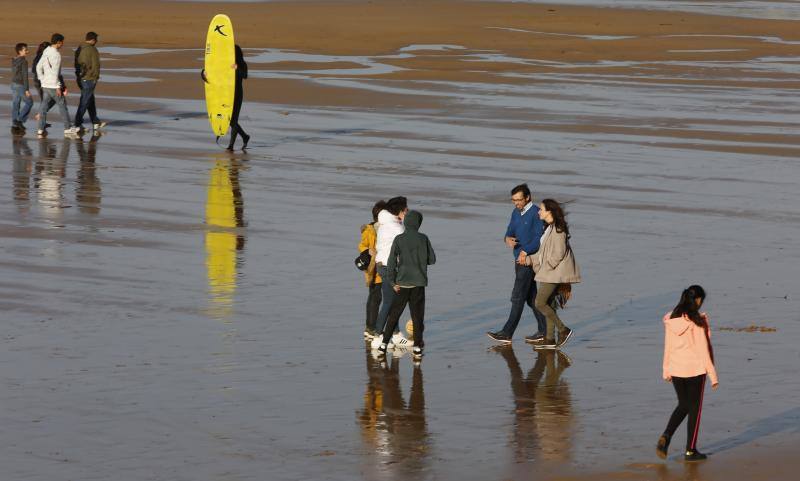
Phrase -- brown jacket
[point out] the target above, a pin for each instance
(368, 238)
(554, 262)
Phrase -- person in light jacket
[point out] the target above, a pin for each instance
(554, 264)
(688, 359)
(48, 71)
(390, 225)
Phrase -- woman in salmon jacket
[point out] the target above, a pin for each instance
(688, 359)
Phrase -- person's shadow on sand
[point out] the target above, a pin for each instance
(787, 421)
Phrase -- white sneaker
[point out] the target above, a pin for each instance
(400, 352)
(376, 342)
(71, 131)
(400, 341)
(99, 125)
(41, 134)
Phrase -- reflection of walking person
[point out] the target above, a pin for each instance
(688, 359)
(238, 97)
(555, 267)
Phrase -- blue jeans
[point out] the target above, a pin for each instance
(87, 103)
(18, 97)
(388, 295)
(524, 293)
(50, 98)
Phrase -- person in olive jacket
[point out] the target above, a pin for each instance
(407, 271)
(87, 72)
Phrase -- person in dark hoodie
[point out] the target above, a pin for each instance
(36, 58)
(21, 101)
(407, 271)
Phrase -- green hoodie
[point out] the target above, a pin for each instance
(411, 255)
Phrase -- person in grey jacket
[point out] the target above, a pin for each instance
(20, 90)
(554, 265)
(407, 273)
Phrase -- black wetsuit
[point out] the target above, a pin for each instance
(238, 97)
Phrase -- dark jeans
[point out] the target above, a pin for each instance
(524, 293)
(373, 304)
(20, 104)
(388, 297)
(87, 103)
(415, 298)
(690, 403)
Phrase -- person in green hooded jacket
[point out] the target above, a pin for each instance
(407, 271)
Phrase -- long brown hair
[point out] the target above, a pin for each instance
(559, 217)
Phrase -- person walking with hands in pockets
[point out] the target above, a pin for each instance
(556, 271)
(688, 359)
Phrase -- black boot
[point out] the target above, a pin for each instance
(694, 455)
(662, 446)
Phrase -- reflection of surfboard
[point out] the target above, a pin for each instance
(221, 78)
(222, 241)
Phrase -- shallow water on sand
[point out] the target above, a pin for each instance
(175, 312)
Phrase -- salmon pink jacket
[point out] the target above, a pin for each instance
(687, 351)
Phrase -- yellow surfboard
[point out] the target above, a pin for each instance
(220, 74)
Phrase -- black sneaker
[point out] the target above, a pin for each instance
(417, 351)
(499, 336)
(563, 336)
(694, 455)
(545, 344)
(662, 446)
(246, 139)
(534, 338)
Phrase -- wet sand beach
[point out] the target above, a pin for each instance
(175, 312)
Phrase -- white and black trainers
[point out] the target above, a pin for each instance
(417, 351)
(398, 340)
(99, 125)
(544, 344)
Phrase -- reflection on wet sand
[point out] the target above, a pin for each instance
(542, 407)
(48, 180)
(224, 214)
(88, 192)
(22, 173)
(394, 433)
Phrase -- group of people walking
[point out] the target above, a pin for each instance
(52, 89)
(395, 255)
(544, 269)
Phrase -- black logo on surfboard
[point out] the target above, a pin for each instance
(218, 29)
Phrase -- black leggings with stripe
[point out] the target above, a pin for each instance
(690, 403)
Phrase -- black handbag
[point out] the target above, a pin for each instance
(363, 260)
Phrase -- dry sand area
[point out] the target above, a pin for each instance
(174, 312)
